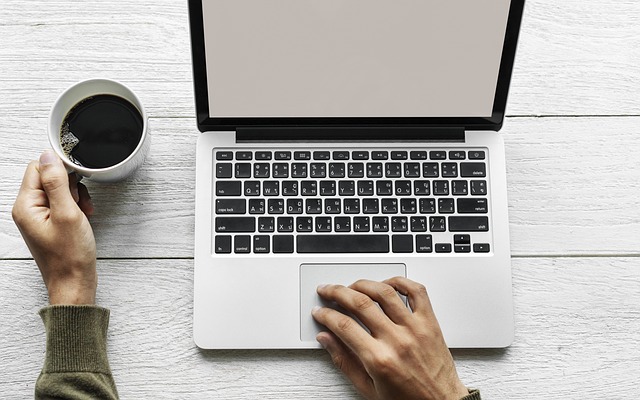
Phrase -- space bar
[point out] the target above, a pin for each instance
(343, 243)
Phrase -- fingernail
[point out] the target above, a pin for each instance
(324, 285)
(322, 340)
(48, 157)
(315, 309)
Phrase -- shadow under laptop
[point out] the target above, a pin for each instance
(479, 354)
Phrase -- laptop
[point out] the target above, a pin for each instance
(344, 140)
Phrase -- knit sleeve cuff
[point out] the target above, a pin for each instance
(474, 394)
(76, 339)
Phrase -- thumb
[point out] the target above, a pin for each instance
(55, 181)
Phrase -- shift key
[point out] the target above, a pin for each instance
(235, 224)
(468, 224)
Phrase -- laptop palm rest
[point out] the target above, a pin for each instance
(313, 275)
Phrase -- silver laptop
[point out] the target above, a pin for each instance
(343, 140)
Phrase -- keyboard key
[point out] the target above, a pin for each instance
(408, 206)
(327, 188)
(283, 155)
(418, 155)
(290, 188)
(361, 224)
(242, 244)
(379, 155)
(256, 206)
(461, 239)
(399, 224)
(231, 206)
(228, 188)
(370, 206)
(411, 170)
(384, 188)
(360, 155)
(402, 243)
(424, 244)
(309, 188)
(393, 170)
(430, 170)
(441, 188)
(427, 206)
(222, 244)
(342, 243)
(380, 224)
(224, 170)
(398, 155)
(251, 188)
(304, 224)
(422, 188)
(356, 170)
(298, 170)
(235, 224)
(352, 206)
(347, 188)
(224, 155)
(271, 188)
(323, 224)
(280, 170)
(266, 224)
(321, 155)
(418, 224)
(403, 188)
(449, 170)
(283, 244)
(302, 155)
(462, 248)
(438, 155)
(459, 188)
(336, 170)
(468, 224)
(437, 224)
(285, 224)
(332, 206)
(481, 248)
(340, 155)
(294, 206)
(263, 155)
(318, 170)
(472, 206)
(443, 247)
(276, 206)
(314, 206)
(342, 224)
(261, 244)
(365, 188)
(389, 206)
(374, 170)
(476, 155)
(457, 155)
(261, 170)
(445, 206)
(478, 188)
(473, 170)
(243, 170)
(244, 155)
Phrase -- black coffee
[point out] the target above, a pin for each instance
(101, 131)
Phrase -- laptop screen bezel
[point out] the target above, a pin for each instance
(207, 123)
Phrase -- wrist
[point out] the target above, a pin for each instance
(72, 294)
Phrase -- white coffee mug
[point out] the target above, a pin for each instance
(74, 95)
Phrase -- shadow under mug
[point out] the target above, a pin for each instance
(74, 95)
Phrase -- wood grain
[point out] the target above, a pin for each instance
(576, 336)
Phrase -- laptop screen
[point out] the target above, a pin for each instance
(353, 58)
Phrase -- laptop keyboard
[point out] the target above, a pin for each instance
(350, 201)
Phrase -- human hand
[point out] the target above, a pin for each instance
(405, 355)
(51, 212)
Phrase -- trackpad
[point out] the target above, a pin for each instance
(313, 275)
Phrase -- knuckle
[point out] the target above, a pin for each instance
(345, 324)
(362, 302)
(384, 364)
(388, 291)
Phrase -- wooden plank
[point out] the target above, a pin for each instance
(574, 188)
(576, 334)
(575, 57)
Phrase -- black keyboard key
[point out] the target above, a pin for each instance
(437, 224)
(473, 170)
(402, 243)
(347, 188)
(422, 188)
(321, 155)
(443, 247)
(478, 188)
(228, 188)
(251, 188)
(244, 155)
(472, 206)
(342, 224)
(370, 206)
(403, 188)
(283, 244)
(468, 224)
(418, 224)
(266, 224)
(462, 248)
(476, 155)
(424, 244)
(243, 170)
(461, 239)
(295, 206)
(418, 155)
(263, 155)
(399, 224)
(393, 170)
(340, 155)
(365, 188)
(314, 206)
(235, 224)
(360, 155)
(430, 170)
(276, 206)
(304, 224)
(256, 206)
(290, 188)
(445, 206)
(222, 244)
(283, 155)
(355, 170)
(261, 170)
(336, 170)
(380, 224)
(449, 170)
(318, 170)
(285, 224)
(298, 170)
(309, 188)
(261, 244)
(459, 188)
(398, 155)
(481, 248)
(224, 170)
(411, 170)
(441, 188)
(352, 206)
(302, 155)
(457, 155)
(428, 206)
(242, 244)
(323, 224)
(271, 188)
(374, 170)
(327, 188)
(379, 155)
(438, 155)
(389, 206)
(280, 170)
(361, 224)
(384, 188)
(231, 206)
(224, 155)
(342, 243)
(332, 206)
(408, 206)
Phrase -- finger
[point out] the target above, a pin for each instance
(31, 179)
(84, 202)
(347, 362)
(73, 187)
(387, 297)
(55, 181)
(416, 294)
(359, 304)
(346, 328)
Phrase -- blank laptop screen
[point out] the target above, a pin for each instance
(353, 58)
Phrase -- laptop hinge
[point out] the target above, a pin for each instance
(359, 133)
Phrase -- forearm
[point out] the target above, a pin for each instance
(76, 364)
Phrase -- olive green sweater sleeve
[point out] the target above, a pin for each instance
(76, 364)
(474, 394)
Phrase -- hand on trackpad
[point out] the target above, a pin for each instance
(313, 275)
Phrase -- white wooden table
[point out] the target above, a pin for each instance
(573, 154)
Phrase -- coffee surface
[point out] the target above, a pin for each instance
(101, 131)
